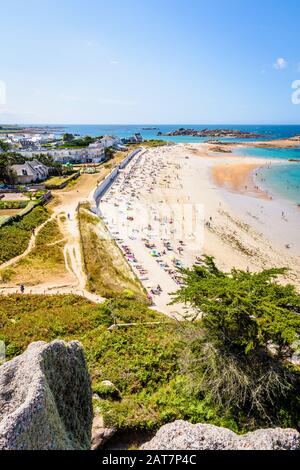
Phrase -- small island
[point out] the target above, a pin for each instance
(229, 133)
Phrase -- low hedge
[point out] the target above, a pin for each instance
(59, 183)
(13, 204)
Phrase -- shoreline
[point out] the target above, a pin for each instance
(249, 179)
(239, 177)
(238, 228)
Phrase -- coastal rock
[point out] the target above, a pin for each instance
(45, 399)
(229, 133)
(218, 149)
(181, 435)
(100, 434)
(107, 389)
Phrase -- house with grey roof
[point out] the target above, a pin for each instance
(31, 172)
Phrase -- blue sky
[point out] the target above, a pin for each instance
(149, 61)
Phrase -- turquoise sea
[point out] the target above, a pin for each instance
(123, 130)
(283, 180)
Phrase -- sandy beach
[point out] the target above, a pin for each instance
(238, 177)
(175, 203)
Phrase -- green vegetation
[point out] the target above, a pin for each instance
(154, 143)
(141, 361)
(232, 368)
(4, 146)
(44, 262)
(21, 204)
(67, 137)
(108, 273)
(158, 370)
(7, 159)
(82, 142)
(148, 143)
(4, 129)
(239, 355)
(58, 182)
(15, 236)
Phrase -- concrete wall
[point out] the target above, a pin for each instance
(107, 182)
(129, 157)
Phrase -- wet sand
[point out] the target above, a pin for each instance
(238, 177)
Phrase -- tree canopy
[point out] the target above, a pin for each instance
(239, 352)
(241, 310)
(67, 137)
(4, 145)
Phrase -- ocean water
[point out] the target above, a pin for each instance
(282, 154)
(282, 180)
(270, 132)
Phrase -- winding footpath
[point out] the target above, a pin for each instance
(68, 201)
(30, 246)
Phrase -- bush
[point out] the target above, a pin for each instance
(239, 354)
(146, 363)
(13, 204)
(106, 390)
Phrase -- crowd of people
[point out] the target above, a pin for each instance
(130, 215)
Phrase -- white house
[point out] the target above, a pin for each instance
(98, 145)
(31, 172)
(109, 141)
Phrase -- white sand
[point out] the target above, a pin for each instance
(238, 230)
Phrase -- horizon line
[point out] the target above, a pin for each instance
(147, 124)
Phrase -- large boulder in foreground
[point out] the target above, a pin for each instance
(181, 435)
(46, 399)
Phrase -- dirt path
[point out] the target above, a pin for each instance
(30, 246)
(64, 208)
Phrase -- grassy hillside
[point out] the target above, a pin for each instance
(14, 237)
(143, 361)
(44, 262)
(108, 273)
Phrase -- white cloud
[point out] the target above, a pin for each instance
(280, 64)
(114, 62)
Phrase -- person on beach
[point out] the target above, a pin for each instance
(22, 288)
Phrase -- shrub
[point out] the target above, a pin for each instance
(106, 391)
(15, 236)
(238, 355)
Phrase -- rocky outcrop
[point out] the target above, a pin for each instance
(181, 435)
(100, 434)
(46, 399)
(229, 133)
